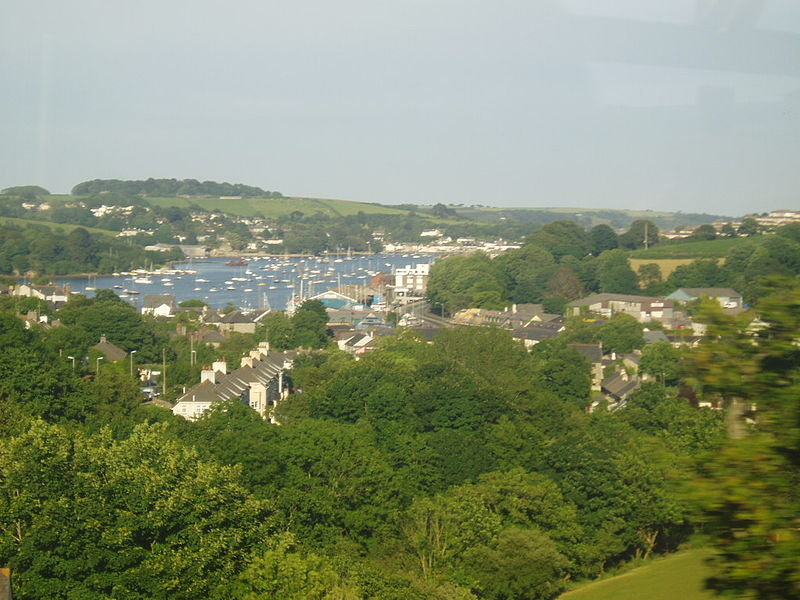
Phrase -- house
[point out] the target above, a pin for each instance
(727, 297)
(619, 387)
(49, 293)
(370, 322)
(212, 337)
(237, 321)
(358, 343)
(160, 306)
(643, 308)
(259, 383)
(109, 351)
(593, 353)
(536, 332)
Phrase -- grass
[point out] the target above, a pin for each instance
(277, 207)
(667, 265)
(64, 226)
(678, 576)
(710, 249)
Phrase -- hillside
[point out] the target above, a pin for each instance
(718, 248)
(678, 576)
(278, 207)
(55, 226)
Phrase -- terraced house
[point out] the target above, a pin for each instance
(259, 382)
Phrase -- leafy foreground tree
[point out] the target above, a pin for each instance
(748, 494)
(85, 518)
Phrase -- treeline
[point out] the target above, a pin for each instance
(169, 187)
(562, 262)
(464, 469)
(48, 251)
(461, 469)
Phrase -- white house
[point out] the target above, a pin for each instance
(159, 306)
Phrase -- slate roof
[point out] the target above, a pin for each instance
(711, 292)
(111, 352)
(608, 297)
(592, 352)
(156, 301)
(212, 337)
(536, 334)
(235, 383)
(651, 337)
(620, 388)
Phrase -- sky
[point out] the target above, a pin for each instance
(686, 105)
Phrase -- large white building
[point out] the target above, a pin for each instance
(411, 282)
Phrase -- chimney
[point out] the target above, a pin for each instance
(247, 361)
(514, 308)
(208, 374)
(257, 354)
(264, 347)
(103, 339)
(221, 366)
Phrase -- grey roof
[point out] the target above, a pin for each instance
(619, 387)
(156, 301)
(711, 292)
(651, 337)
(235, 383)
(534, 333)
(111, 352)
(606, 297)
(237, 316)
(592, 352)
(212, 336)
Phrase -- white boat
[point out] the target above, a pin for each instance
(142, 280)
(213, 290)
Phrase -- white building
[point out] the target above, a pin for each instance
(411, 282)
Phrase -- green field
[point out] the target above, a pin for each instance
(711, 249)
(64, 226)
(679, 576)
(277, 207)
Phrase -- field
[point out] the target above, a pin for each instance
(67, 228)
(710, 249)
(277, 207)
(667, 265)
(678, 576)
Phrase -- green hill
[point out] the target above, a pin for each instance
(678, 576)
(711, 249)
(63, 226)
(277, 207)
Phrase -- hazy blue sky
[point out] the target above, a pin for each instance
(689, 105)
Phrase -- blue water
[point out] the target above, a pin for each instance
(263, 282)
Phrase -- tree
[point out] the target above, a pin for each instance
(88, 517)
(749, 226)
(622, 333)
(748, 493)
(650, 277)
(309, 324)
(614, 274)
(603, 238)
(704, 232)
(662, 361)
(642, 233)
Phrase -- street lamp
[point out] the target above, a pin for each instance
(72, 358)
(97, 364)
(132, 353)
